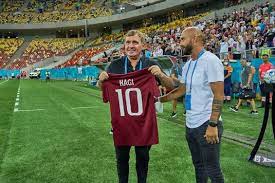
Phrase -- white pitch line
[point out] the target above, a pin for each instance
(4, 82)
(17, 100)
(29, 110)
(84, 107)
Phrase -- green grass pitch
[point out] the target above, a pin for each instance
(67, 140)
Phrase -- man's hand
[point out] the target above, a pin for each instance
(211, 135)
(103, 76)
(156, 71)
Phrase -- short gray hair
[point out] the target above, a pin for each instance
(138, 33)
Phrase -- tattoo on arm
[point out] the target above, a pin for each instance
(216, 109)
(217, 105)
(217, 89)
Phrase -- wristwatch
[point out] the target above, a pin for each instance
(213, 123)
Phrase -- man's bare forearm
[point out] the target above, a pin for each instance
(217, 89)
(216, 109)
(99, 84)
(174, 94)
(169, 82)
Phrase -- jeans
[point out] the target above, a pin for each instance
(142, 160)
(205, 157)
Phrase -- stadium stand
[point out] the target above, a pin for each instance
(7, 48)
(35, 11)
(83, 57)
(40, 49)
(248, 29)
(241, 32)
(246, 32)
(150, 30)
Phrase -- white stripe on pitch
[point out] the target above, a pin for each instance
(84, 107)
(4, 82)
(29, 110)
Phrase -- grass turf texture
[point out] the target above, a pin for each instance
(65, 144)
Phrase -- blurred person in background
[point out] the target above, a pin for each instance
(247, 92)
(227, 80)
(264, 67)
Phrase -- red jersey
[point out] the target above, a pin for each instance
(263, 68)
(132, 105)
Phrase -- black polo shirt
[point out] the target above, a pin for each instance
(118, 65)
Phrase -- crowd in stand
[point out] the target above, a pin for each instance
(38, 11)
(241, 30)
(247, 29)
(7, 48)
(45, 48)
(229, 3)
(154, 32)
(227, 35)
(233, 33)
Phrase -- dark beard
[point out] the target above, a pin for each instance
(188, 50)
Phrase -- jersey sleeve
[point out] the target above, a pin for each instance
(215, 70)
(105, 94)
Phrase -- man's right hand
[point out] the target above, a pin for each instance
(103, 76)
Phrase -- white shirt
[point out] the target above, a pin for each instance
(158, 52)
(243, 28)
(224, 47)
(230, 41)
(209, 69)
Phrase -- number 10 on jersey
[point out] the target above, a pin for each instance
(128, 102)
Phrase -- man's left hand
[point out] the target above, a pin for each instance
(211, 135)
(155, 70)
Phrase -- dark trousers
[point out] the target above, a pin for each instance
(142, 160)
(206, 157)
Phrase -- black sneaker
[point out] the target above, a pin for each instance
(234, 109)
(184, 113)
(111, 132)
(254, 112)
(173, 115)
